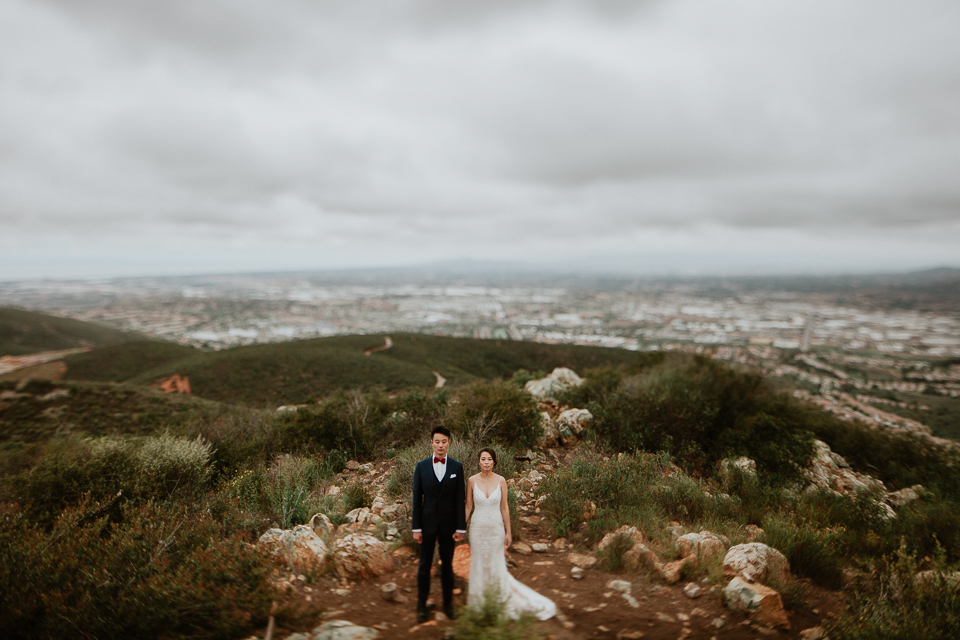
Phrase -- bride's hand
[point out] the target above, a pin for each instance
(507, 541)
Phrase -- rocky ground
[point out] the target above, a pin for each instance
(594, 606)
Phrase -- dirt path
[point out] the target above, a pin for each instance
(387, 343)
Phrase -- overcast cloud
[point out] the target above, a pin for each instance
(175, 136)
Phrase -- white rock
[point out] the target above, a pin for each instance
(343, 630)
(572, 423)
(300, 547)
(559, 381)
(692, 591)
(756, 562)
(321, 524)
(362, 556)
(620, 585)
(762, 603)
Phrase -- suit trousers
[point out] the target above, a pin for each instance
(446, 545)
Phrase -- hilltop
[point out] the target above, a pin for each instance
(303, 370)
(23, 332)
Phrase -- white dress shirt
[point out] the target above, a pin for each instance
(440, 469)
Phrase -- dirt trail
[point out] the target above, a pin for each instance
(387, 343)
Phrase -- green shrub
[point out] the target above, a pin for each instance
(167, 465)
(101, 468)
(494, 411)
(624, 490)
(811, 553)
(346, 421)
(700, 411)
(162, 572)
(897, 605)
(356, 496)
(487, 621)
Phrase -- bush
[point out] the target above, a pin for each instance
(161, 573)
(346, 421)
(623, 490)
(488, 622)
(899, 605)
(495, 412)
(167, 465)
(101, 468)
(699, 411)
(811, 553)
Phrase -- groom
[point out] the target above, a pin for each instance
(438, 518)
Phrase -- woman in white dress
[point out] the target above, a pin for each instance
(489, 539)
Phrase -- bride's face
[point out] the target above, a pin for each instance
(486, 462)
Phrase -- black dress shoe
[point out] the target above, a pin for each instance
(421, 614)
(449, 611)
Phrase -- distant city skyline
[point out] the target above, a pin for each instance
(172, 137)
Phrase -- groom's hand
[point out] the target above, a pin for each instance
(458, 537)
(418, 537)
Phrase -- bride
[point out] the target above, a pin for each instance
(489, 538)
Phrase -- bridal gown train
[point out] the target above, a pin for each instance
(488, 566)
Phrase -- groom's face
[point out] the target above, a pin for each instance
(440, 443)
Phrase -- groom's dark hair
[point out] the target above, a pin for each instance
(442, 430)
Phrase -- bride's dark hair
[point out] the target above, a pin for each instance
(493, 454)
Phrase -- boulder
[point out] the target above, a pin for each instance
(522, 548)
(641, 556)
(322, 525)
(300, 547)
(704, 544)
(631, 533)
(949, 579)
(828, 471)
(559, 381)
(549, 435)
(671, 572)
(692, 590)
(361, 556)
(391, 593)
(362, 514)
(572, 423)
(378, 504)
(343, 630)
(813, 633)
(582, 560)
(904, 496)
(393, 512)
(753, 532)
(756, 562)
(762, 603)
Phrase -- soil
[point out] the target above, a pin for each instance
(589, 609)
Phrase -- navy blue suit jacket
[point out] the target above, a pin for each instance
(438, 507)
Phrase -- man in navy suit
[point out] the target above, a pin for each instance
(438, 518)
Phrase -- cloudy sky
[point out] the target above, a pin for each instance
(177, 136)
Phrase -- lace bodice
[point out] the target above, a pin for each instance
(488, 566)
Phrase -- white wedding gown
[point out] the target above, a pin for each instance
(488, 566)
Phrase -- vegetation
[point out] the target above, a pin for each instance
(130, 511)
(698, 411)
(24, 332)
(307, 370)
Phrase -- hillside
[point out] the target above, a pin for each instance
(295, 372)
(23, 332)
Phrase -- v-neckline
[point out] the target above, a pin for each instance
(484, 492)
